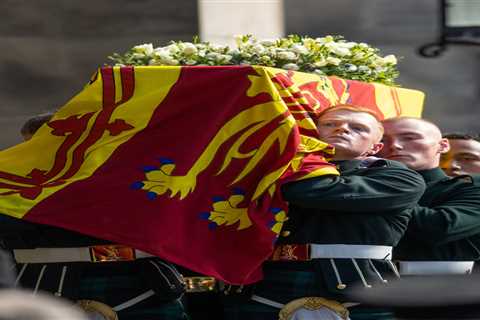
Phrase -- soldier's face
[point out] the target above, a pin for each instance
(463, 157)
(353, 134)
(416, 143)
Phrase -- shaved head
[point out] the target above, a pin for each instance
(426, 126)
(416, 142)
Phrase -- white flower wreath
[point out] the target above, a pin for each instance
(330, 55)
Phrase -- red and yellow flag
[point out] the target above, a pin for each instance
(183, 162)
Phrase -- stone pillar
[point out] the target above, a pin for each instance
(220, 20)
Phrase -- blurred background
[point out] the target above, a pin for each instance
(50, 48)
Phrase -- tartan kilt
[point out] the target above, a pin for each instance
(109, 283)
(280, 285)
(283, 285)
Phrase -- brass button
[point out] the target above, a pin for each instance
(285, 233)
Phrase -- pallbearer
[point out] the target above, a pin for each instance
(443, 236)
(341, 228)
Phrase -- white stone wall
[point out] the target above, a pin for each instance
(220, 20)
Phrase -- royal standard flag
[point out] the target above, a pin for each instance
(185, 163)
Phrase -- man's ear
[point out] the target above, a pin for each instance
(444, 146)
(376, 147)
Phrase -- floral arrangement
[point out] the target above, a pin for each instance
(330, 55)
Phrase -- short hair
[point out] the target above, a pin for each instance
(353, 109)
(350, 108)
(461, 136)
(400, 118)
(34, 123)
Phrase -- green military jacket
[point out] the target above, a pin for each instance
(370, 203)
(446, 222)
(367, 204)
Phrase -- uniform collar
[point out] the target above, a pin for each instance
(344, 165)
(434, 174)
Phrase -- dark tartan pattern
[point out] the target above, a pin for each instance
(114, 290)
(284, 286)
(119, 282)
(109, 283)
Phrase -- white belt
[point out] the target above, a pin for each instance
(435, 267)
(82, 254)
(350, 251)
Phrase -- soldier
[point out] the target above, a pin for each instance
(109, 281)
(463, 156)
(443, 236)
(341, 229)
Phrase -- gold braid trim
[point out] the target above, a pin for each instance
(312, 303)
(92, 306)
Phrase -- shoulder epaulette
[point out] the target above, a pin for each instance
(467, 178)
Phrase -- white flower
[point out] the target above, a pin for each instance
(338, 56)
(377, 61)
(245, 55)
(226, 58)
(258, 48)
(171, 62)
(217, 48)
(172, 48)
(309, 43)
(340, 51)
(347, 45)
(265, 59)
(286, 55)
(155, 62)
(297, 48)
(334, 61)
(391, 59)
(358, 56)
(364, 69)
(213, 56)
(146, 49)
(290, 66)
(320, 63)
(267, 42)
(324, 39)
(189, 49)
(351, 67)
(238, 39)
(138, 55)
(162, 55)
